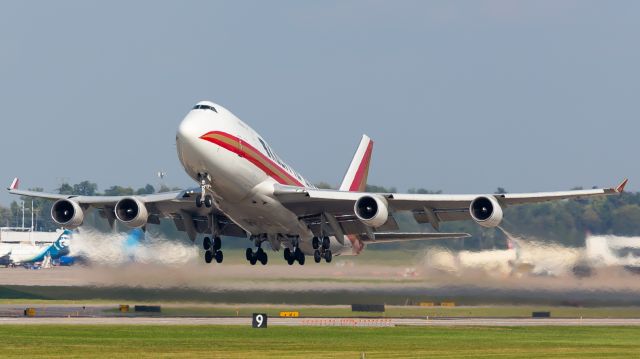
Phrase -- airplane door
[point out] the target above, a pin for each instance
(241, 146)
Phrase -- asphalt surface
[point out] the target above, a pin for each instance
(336, 322)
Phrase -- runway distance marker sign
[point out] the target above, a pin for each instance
(259, 320)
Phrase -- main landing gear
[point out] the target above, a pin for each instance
(259, 255)
(212, 249)
(293, 256)
(321, 249)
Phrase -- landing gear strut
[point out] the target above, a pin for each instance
(204, 198)
(212, 249)
(321, 246)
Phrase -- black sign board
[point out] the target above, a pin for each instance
(259, 320)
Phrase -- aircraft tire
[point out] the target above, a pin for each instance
(315, 242)
(208, 201)
(287, 254)
(219, 256)
(208, 256)
(217, 243)
(198, 201)
(317, 257)
(249, 254)
(206, 243)
(263, 258)
(326, 243)
(253, 261)
(328, 256)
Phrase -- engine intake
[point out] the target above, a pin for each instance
(486, 211)
(67, 213)
(372, 210)
(131, 212)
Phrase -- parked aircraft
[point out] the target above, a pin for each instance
(246, 189)
(29, 253)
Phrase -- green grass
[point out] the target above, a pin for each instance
(24, 341)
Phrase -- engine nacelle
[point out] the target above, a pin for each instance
(132, 212)
(372, 210)
(67, 213)
(486, 211)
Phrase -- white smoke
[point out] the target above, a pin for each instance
(529, 256)
(112, 249)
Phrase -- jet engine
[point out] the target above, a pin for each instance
(67, 213)
(131, 212)
(486, 211)
(372, 210)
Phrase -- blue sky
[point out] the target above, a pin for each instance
(462, 96)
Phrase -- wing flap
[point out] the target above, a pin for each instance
(390, 237)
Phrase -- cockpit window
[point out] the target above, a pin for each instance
(205, 107)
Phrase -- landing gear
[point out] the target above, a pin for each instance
(258, 256)
(212, 249)
(288, 256)
(204, 198)
(294, 256)
(321, 246)
(328, 256)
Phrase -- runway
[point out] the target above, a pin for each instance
(332, 322)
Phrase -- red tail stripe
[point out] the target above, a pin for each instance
(358, 179)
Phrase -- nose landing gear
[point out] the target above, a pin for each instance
(204, 198)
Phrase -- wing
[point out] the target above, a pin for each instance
(314, 204)
(178, 206)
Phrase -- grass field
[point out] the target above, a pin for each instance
(26, 341)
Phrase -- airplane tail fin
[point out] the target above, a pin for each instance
(61, 245)
(355, 180)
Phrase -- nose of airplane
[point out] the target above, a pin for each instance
(190, 128)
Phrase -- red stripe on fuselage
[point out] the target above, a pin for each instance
(240, 147)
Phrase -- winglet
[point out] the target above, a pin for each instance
(621, 186)
(14, 184)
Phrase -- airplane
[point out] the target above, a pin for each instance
(246, 190)
(24, 254)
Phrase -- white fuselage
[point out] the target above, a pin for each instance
(242, 170)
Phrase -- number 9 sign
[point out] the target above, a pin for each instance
(259, 320)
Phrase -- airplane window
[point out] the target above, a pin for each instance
(205, 107)
(264, 145)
